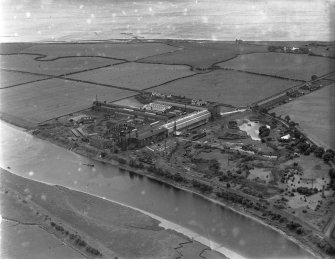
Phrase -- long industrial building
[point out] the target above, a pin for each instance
(189, 120)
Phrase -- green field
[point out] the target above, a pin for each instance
(315, 114)
(28, 63)
(10, 78)
(293, 66)
(126, 51)
(229, 87)
(204, 55)
(134, 75)
(40, 101)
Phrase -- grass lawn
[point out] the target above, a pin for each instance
(315, 114)
(39, 101)
(293, 66)
(229, 87)
(134, 75)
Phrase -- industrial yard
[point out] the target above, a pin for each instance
(206, 125)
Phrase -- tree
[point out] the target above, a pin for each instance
(327, 157)
(264, 131)
(314, 77)
(287, 118)
(319, 152)
(332, 173)
(303, 146)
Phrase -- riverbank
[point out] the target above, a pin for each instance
(302, 241)
(85, 225)
(157, 177)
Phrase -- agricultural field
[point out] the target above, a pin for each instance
(40, 101)
(9, 48)
(228, 87)
(32, 64)
(11, 78)
(204, 55)
(135, 76)
(315, 114)
(125, 51)
(293, 66)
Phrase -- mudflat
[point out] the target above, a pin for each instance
(75, 223)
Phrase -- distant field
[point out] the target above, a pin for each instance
(8, 48)
(227, 87)
(36, 102)
(292, 66)
(127, 51)
(204, 55)
(134, 75)
(315, 114)
(61, 66)
(9, 78)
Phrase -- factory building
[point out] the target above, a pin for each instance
(156, 107)
(141, 128)
(193, 119)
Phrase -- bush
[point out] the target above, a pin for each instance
(264, 131)
(293, 225)
(122, 161)
(299, 231)
(202, 186)
(178, 178)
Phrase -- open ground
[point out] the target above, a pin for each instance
(40, 101)
(12, 78)
(59, 66)
(135, 75)
(205, 54)
(314, 113)
(126, 51)
(293, 66)
(229, 87)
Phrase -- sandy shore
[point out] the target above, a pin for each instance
(55, 214)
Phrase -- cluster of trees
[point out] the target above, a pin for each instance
(305, 148)
(167, 174)
(77, 240)
(264, 131)
(122, 161)
(326, 247)
(294, 226)
(135, 164)
(235, 198)
(203, 187)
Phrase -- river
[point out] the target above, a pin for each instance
(39, 160)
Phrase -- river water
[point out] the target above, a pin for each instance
(36, 159)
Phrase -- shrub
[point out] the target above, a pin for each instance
(122, 161)
(293, 225)
(178, 178)
(300, 230)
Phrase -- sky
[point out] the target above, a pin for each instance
(66, 20)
